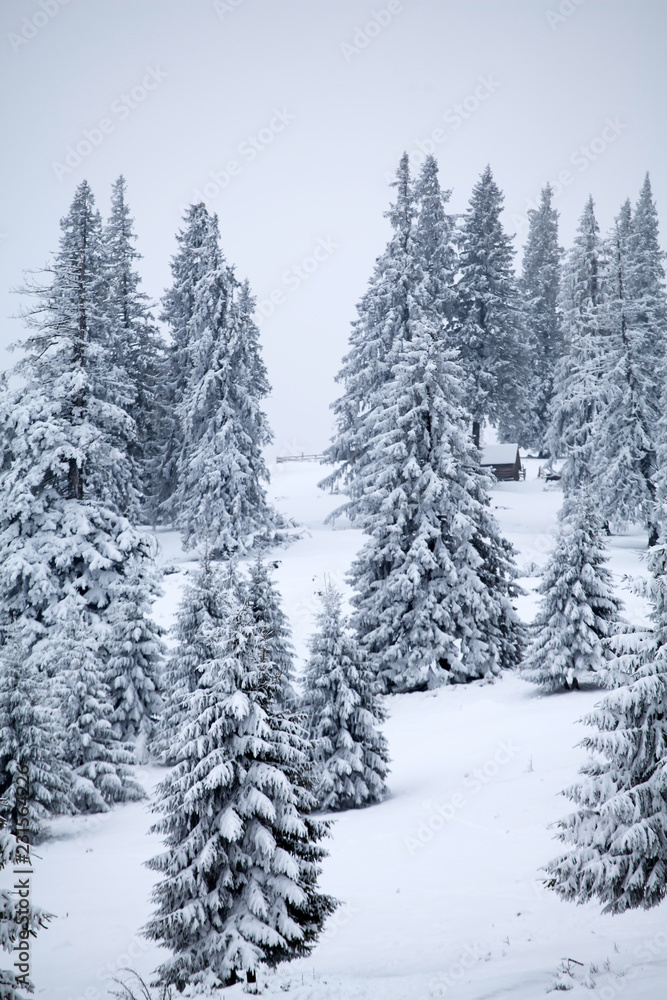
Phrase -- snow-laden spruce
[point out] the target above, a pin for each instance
(135, 656)
(265, 604)
(494, 354)
(241, 864)
(205, 607)
(434, 232)
(344, 715)
(134, 345)
(633, 367)
(380, 319)
(616, 841)
(65, 479)
(31, 750)
(100, 762)
(540, 289)
(579, 608)
(20, 920)
(578, 388)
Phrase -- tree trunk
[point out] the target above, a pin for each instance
(476, 428)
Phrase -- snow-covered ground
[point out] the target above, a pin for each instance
(441, 883)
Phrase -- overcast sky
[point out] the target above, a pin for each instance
(288, 117)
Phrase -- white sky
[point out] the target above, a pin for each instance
(555, 71)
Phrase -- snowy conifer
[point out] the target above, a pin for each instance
(488, 328)
(134, 658)
(205, 606)
(20, 921)
(30, 743)
(626, 427)
(343, 715)
(242, 854)
(434, 243)
(379, 321)
(578, 610)
(578, 382)
(99, 761)
(433, 583)
(540, 289)
(134, 341)
(265, 603)
(220, 498)
(616, 840)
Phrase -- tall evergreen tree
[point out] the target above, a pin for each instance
(579, 609)
(65, 480)
(220, 498)
(134, 341)
(434, 236)
(540, 289)
(380, 320)
(133, 664)
(242, 850)
(188, 266)
(627, 421)
(265, 605)
(343, 714)
(488, 328)
(617, 838)
(578, 383)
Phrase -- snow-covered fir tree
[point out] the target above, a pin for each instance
(344, 715)
(188, 266)
(31, 752)
(434, 582)
(579, 609)
(20, 920)
(380, 317)
(434, 237)
(241, 864)
(134, 661)
(494, 354)
(616, 849)
(220, 498)
(100, 762)
(540, 289)
(578, 381)
(63, 475)
(134, 342)
(265, 603)
(205, 607)
(626, 426)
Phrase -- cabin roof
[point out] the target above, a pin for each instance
(499, 454)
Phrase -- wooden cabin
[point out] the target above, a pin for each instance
(504, 461)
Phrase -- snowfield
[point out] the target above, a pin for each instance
(440, 885)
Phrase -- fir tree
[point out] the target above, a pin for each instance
(627, 421)
(381, 315)
(540, 288)
(488, 330)
(31, 759)
(617, 838)
(578, 382)
(99, 761)
(578, 610)
(265, 604)
(343, 715)
(241, 862)
(434, 238)
(134, 661)
(134, 341)
(221, 499)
